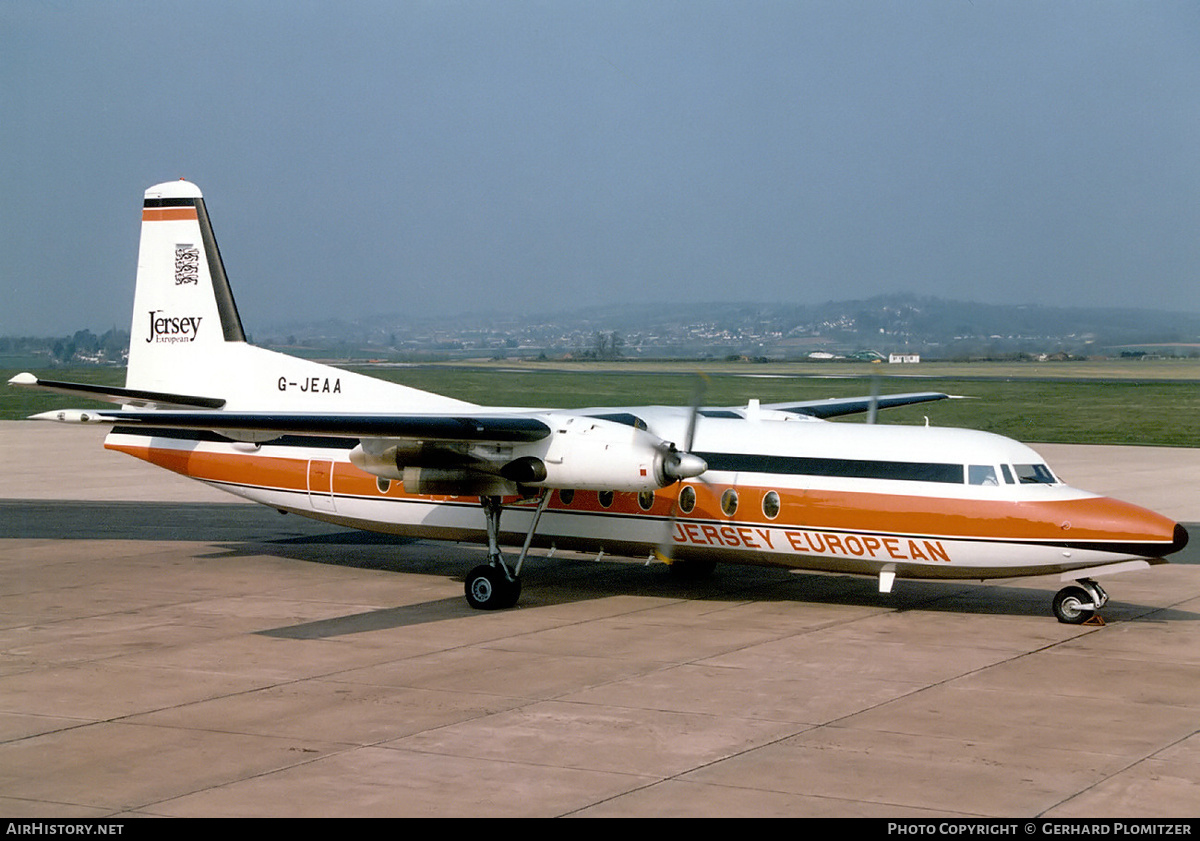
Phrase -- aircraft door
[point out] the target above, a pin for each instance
(320, 484)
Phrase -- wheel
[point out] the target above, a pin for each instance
(488, 588)
(1069, 606)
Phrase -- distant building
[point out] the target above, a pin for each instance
(910, 358)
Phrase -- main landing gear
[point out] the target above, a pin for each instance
(1078, 603)
(493, 586)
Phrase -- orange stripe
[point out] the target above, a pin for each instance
(1085, 519)
(1075, 520)
(1088, 519)
(256, 470)
(167, 214)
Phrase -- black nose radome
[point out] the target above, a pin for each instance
(1181, 538)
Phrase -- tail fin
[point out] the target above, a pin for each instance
(183, 305)
(187, 338)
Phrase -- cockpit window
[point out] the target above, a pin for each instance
(981, 474)
(1034, 474)
(1008, 479)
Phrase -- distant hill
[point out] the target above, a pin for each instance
(932, 327)
(885, 324)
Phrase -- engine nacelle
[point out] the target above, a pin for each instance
(379, 458)
(596, 454)
(455, 482)
(427, 472)
(582, 452)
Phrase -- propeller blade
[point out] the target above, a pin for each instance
(693, 418)
(666, 547)
(873, 410)
(683, 465)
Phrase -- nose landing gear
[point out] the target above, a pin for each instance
(1077, 604)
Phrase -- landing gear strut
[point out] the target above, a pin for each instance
(1078, 603)
(493, 586)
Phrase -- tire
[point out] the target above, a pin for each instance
(487, 588)
(1069, 606)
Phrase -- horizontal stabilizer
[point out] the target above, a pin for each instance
(123, 396)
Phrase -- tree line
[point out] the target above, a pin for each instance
(84, 345)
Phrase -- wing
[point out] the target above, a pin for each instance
(184, 411)
(836, 407)
(498, 428)
(493, 454)
(468, 452)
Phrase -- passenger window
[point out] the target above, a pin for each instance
(687, 499)
(771, 505)
(646, 500)
(606, 498)
(729, 501)
(981, 474)
(566, 495)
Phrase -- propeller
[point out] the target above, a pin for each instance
(679, 465)
(682, 465)
(873, 410)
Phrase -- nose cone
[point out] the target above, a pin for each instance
(684, 466)
(1120, 527)
(1181, 539)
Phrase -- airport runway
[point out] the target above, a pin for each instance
(168, 650)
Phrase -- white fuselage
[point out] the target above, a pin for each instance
(780, 490)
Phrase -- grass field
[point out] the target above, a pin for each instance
(1153, 403)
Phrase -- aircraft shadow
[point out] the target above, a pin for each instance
(238, 529)
(22, 519)
(552, 582)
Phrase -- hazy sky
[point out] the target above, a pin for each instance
(362, 157)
